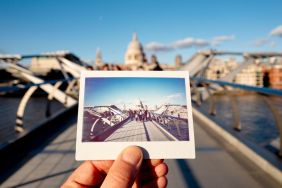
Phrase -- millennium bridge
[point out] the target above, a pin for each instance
(238, 136)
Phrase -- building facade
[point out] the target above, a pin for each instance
(134, 59)
(135, 54)
(275, 76)
(219, 68)
(252, 75)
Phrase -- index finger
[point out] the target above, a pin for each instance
(87, 174)
(148, 163)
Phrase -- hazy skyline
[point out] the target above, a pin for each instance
(128, 91)
(166, 27)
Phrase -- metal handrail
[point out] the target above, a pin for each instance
(236, 113)
(28, 85)
(31, 88)
(263, 90)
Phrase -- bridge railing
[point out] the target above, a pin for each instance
(212, 86)
(70, 94)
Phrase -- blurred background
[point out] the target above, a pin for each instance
(232, 50)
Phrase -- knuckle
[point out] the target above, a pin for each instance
(120, 178)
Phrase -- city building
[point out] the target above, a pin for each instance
(98, 60)
(43, 66)
(49, 64)
(178, 61)
(219, 68)
(135, 55)
(134, 59)
(252, 75)
(275, 76)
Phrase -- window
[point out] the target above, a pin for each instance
(136, 57)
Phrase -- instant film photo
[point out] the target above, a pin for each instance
(151, 110)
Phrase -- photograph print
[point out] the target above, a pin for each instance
(135, 109)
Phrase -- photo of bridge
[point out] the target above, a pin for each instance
(164, 118)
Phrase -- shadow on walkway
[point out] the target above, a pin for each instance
(187, 173)
(44, 178)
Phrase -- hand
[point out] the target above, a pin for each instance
(128, 170)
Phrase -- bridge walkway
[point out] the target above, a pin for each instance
(216, 165)
(138, 131)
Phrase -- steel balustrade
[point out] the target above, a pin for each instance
(31, 88)
(235, 111)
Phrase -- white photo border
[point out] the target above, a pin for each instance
(151, 150)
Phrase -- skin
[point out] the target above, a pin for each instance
(128, 170)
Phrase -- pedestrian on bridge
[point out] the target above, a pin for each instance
(131, 114)
(145, 115)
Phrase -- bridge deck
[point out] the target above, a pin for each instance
(138, 131)
(215, 165)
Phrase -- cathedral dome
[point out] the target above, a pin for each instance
(134, 53)
(135, 45)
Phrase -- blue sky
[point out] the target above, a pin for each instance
(128, 91)
(30, 26)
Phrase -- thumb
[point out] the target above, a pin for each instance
(124, 170)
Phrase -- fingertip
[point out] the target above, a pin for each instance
(161, 170)
(162, 182)
(125, 168)
(154, 173)
(132, 155)
(155, 162)
(148, 163)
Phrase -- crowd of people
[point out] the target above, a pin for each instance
(140, 115)
(145, 115)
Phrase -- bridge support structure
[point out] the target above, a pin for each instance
(278, 121)
(20, 112)
(53, 91)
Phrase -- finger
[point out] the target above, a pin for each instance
(124, 170)
(160, 182)
(146, 171)
(151, 163)
(103, 165)
(158, 171)
(85, 175)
